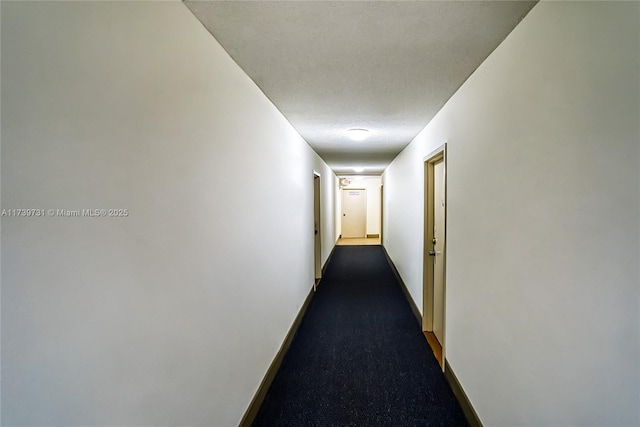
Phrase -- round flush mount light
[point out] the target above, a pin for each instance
(358, 169)
(358, 134)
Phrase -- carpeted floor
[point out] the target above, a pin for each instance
(359, 357)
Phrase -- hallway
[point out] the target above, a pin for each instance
(173, 306)
(359, 357)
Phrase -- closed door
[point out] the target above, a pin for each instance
(438, 248)
(354, 213)
(434, 319)
(316, 226)
(382, 215)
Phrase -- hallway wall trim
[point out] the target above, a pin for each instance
(324, 267)
(469, 412)
(252, 411)
(414, 307)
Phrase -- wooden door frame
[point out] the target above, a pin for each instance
(436, 156)
(381, 214)
(317, 237)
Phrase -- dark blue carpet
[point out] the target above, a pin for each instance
(359, 357)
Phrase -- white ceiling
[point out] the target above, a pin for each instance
(387, 66)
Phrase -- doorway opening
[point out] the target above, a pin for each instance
(434, 258)
(317, 241)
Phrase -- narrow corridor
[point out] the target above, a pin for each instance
(359, 357)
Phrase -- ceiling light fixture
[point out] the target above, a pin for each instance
(358, 134)
(358, 169)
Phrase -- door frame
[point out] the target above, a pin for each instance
(317, 225)
(436, 156)
(382, 214)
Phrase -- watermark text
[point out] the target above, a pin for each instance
(64, 213)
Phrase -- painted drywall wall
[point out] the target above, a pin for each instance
(171, 313)
(372, 185)
(543, 220)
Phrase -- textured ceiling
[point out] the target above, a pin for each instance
(385, 66)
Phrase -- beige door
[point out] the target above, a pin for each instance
(434, 281)
(354, 213)
(438, 248)
(381, 214)
(316, 227)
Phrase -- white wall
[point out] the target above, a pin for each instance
(543, 220)
(171, 315)
(372, 185)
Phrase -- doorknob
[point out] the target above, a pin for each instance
(432, 253)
